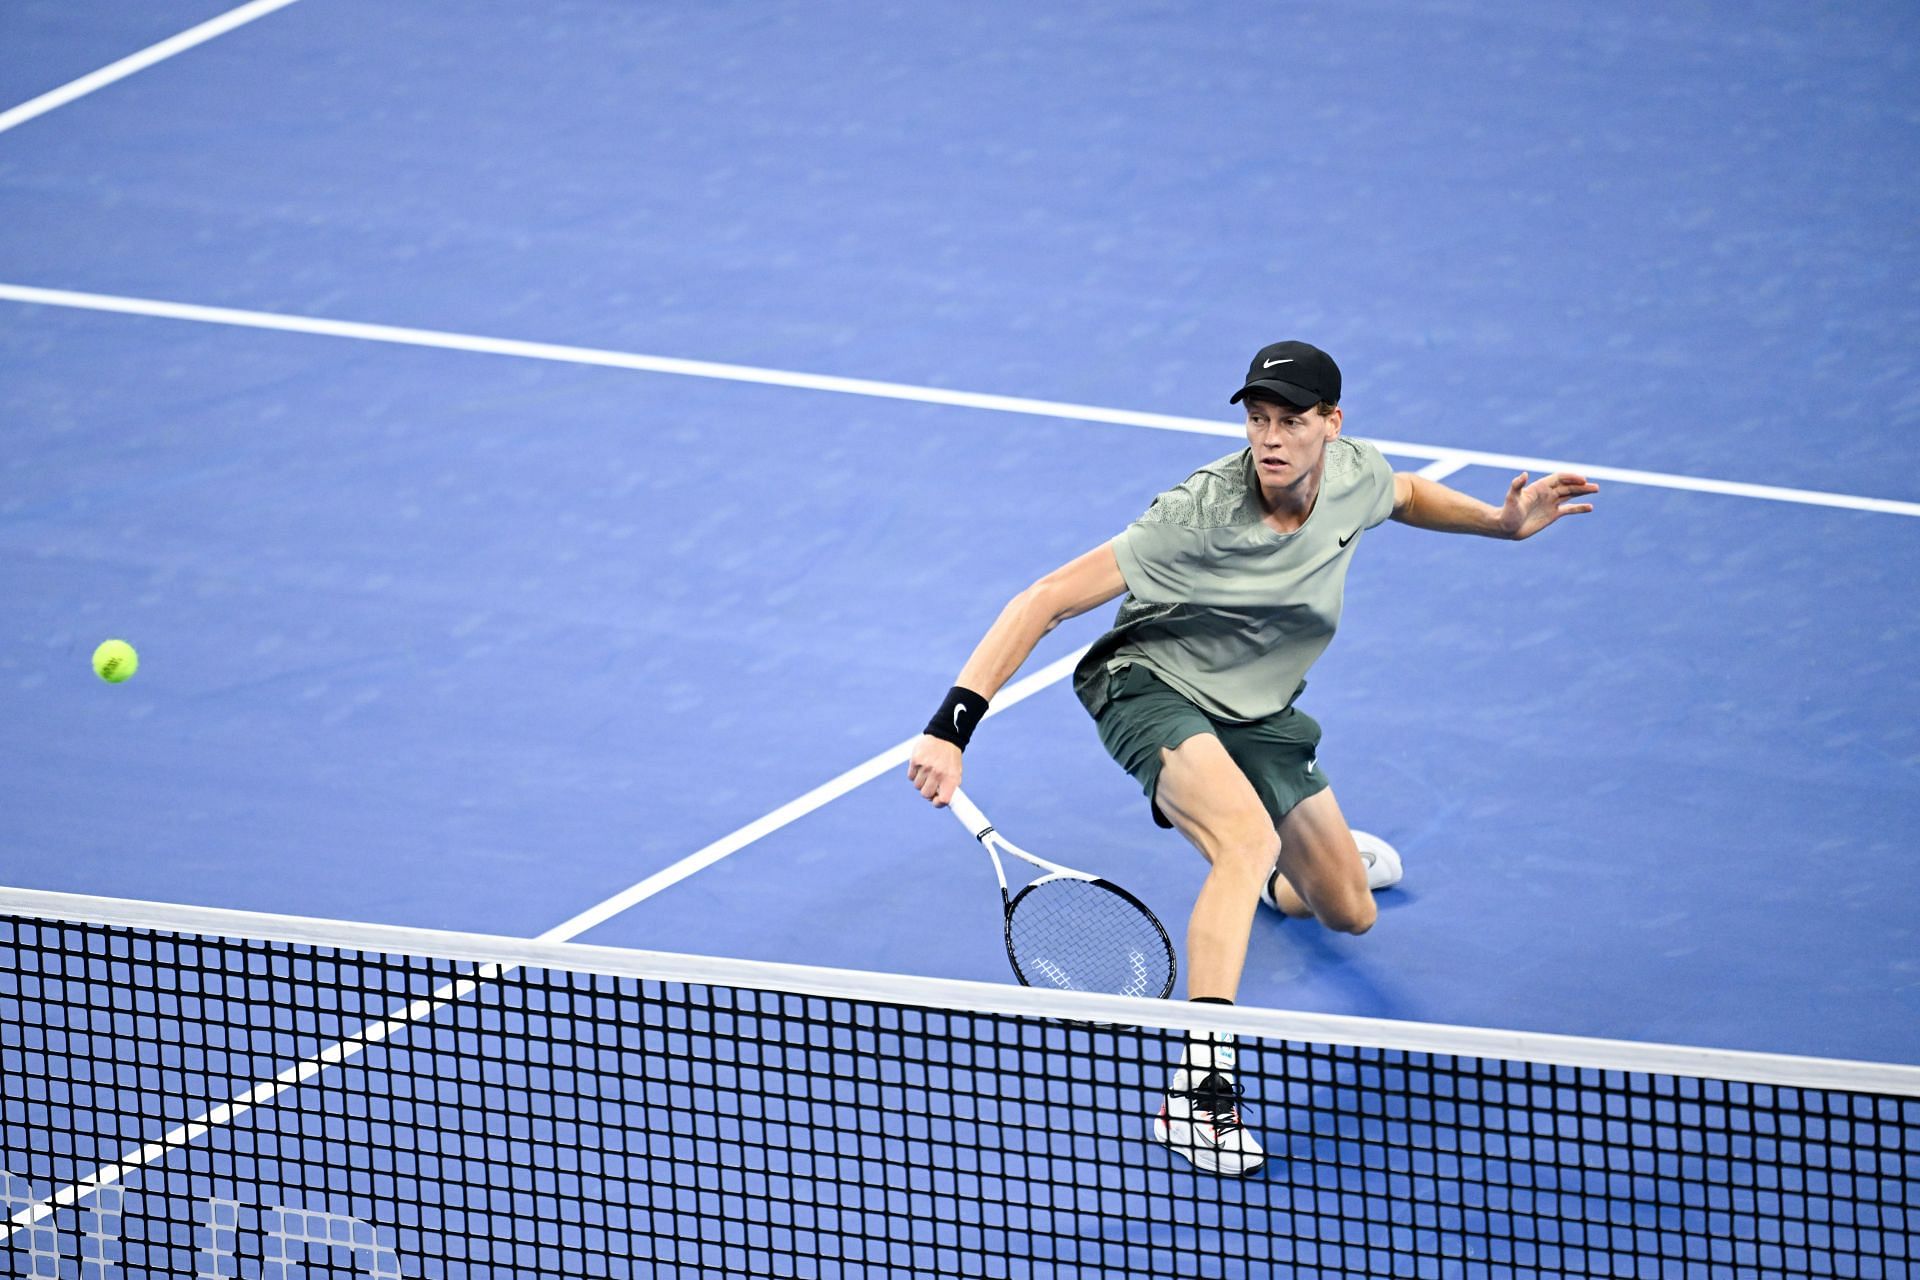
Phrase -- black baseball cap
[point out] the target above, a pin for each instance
(1297, 372)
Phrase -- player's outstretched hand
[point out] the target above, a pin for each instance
(1532, 507)
(934, 769)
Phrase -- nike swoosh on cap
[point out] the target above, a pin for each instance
(1270, 363)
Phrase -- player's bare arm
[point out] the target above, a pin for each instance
(1083, 583)
(1529, 508)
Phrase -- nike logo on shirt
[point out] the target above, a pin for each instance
(1350, 537)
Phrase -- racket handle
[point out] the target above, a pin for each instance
(969, 814)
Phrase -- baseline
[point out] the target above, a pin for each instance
(135, 62)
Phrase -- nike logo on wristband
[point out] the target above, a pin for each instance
(958, 708)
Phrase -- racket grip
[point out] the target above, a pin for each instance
(969, 814)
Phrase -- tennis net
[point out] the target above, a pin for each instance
(192, 1092)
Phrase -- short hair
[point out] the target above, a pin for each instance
(1324, 408)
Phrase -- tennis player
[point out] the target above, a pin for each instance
(1234, 579)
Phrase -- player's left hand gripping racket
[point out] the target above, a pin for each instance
(1072, 930)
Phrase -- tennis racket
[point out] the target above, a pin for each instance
(1072, 930)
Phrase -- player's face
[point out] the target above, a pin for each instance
(1289, 444)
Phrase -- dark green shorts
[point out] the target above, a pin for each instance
(1143, 715)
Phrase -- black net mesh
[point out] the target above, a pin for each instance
(537, 1122)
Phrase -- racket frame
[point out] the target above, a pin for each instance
(983, 830)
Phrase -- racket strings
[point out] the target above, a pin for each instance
(1081, 935)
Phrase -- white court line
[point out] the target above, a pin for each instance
(140, 61)
(1441, 468)
(893, 757)
(594, 356)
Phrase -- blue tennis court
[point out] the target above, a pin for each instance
(550, 460)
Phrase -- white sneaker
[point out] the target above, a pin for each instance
(1382, 859)
(1266, 891)
(1200, 1119)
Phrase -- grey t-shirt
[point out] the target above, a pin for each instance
(1220, 606)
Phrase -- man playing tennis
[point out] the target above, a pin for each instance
(1234, 580)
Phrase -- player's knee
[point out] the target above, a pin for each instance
(1249, 857)
(1354, 916)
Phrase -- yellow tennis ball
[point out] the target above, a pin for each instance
(115, 661)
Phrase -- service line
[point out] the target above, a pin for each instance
(566, 354)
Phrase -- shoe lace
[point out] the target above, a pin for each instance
(1219, 1097)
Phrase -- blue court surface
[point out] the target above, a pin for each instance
(438, 630)
(452, 638)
